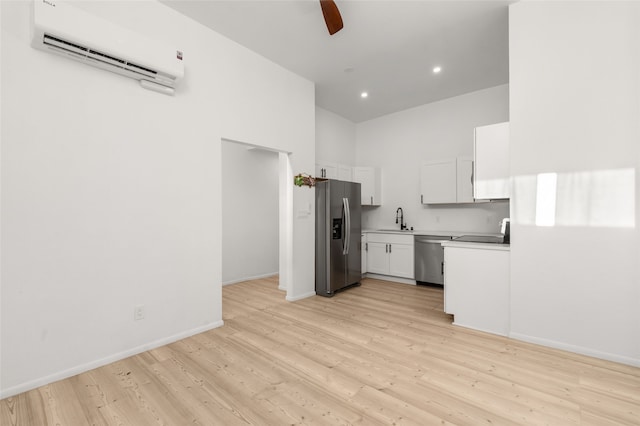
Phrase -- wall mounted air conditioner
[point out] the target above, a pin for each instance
(66, 30)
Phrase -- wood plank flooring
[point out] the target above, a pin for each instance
(380, 354)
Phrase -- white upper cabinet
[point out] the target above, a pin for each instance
(327, 170)
(370, 180)
(464, 180)
(447, 181)
(334, 171)
(438, 182)
(491, 162)
(345, 173)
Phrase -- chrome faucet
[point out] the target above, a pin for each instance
(403, 225)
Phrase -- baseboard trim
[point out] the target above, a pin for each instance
(390, 278)
(32, 384)
(257, 277)
(300, 297)
(576, 349)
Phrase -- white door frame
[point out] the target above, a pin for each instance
(285, 215)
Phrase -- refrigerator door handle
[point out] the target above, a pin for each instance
(347, 223)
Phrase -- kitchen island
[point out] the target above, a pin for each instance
(476, 285)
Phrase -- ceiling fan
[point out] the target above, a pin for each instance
(331, 16)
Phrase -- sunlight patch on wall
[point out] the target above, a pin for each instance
(546, 199)
(602, 198)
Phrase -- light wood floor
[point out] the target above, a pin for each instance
(380, 354)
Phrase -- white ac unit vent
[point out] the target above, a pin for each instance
(66, 30)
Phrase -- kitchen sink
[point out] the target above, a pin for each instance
(394, 230)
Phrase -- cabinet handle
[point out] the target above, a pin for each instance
(372, 200)
(366, 246)
(442, 268)
(389, 248)
(473, 192)
(386, 248)
(421, 199)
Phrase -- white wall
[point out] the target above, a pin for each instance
(249, 212)
(574, 108)
(400, 142)
(335, 138)
(111, 194)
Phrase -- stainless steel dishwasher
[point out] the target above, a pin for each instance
(429, 259)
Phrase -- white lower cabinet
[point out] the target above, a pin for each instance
(476, 287)
(363, 250)
(377, 257)
(401, 260)
(390, 254)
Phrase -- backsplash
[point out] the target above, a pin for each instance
(480, 217)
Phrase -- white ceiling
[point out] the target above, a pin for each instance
(387, 48)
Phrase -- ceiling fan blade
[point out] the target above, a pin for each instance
(331, 16)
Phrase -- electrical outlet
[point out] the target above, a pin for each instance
(138, 312)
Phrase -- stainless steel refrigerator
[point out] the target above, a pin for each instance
(338, 236)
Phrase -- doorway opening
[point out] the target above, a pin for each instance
(257, 213)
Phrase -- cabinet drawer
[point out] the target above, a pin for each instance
(390, 238)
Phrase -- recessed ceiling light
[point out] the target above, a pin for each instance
(364, 94)
(437, 69)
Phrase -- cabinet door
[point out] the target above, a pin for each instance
(491, 162)
(345, 173)
(361, 176)
(438, 182)
(378, 258)
(369, 179)
(401, 260)
(326, 170)
(364, 250)
(476, 288)
(464, 180)
(331, 171)
(451, 284)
